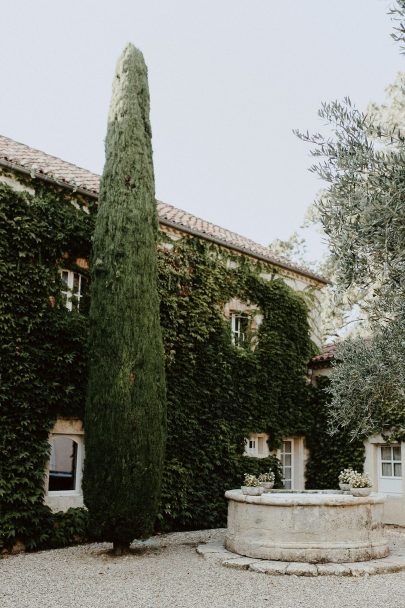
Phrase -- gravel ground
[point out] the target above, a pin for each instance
(166, 572)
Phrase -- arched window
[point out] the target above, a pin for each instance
(65, 464)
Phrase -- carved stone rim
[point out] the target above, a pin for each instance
(332, 498)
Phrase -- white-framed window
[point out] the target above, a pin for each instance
(286, 458)
(74, 288)
(239, 327)
(391, 461)
(256, 445)
(65, 465)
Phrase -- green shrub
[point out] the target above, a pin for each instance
(328, 454)
(68, 528)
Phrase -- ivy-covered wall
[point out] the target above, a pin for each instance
(42, 350)
(329, 454)
(217, 393)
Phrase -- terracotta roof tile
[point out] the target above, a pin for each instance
(327, 354)
(19, 156)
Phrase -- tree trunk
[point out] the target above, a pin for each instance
(120, 548)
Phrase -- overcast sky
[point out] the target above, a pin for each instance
(229, 80)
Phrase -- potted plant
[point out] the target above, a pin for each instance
(360, 484)
(267, 480)
(344, 479)
(252, 486)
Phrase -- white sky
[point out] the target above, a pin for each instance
(229, 80)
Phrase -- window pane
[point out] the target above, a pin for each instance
(75, 302)
(287, 478)
(387, 469)
(397, 469)
(287, 460)
(83, 286)
(76, 282)
(65, 276)
(397, 452)
(243, 319)
(63, 463)
(239, 325)
(385, 453)
(287, 449)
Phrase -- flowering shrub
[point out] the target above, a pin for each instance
(360, 480)
(345, 475)
(251, 481)
(267, 477)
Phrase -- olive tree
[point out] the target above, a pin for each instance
(361, 159)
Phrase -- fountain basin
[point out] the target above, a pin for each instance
(308, 526)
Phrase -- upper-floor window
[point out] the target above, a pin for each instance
(74, 288)
(239, 328)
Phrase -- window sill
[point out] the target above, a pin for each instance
(64, 493)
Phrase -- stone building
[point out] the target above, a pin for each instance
(21, 168)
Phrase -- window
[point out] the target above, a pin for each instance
(256, 445)
(239, 327)
(391, 462)
(65, 464)
(74, 288)
(261, 445)
(286, 457)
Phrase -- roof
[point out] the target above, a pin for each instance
(325, 357)
(21, 157)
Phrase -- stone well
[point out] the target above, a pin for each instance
(308, 526)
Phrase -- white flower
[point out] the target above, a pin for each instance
(251, 481)
(267, 477)
(345, 475)
(360, 480)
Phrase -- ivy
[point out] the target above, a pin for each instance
(218, 393)
(329, 454)
(42, 350)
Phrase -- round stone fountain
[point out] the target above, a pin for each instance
(309, 526)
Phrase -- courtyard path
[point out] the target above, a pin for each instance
(167, 572)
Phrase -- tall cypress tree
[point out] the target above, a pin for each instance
(125, 419)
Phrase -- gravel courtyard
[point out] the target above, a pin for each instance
(168, 573)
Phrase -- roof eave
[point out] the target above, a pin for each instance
(94, 195)
(242, 250)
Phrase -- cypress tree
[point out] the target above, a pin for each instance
(125, 418)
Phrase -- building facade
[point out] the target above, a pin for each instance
(22, 168)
